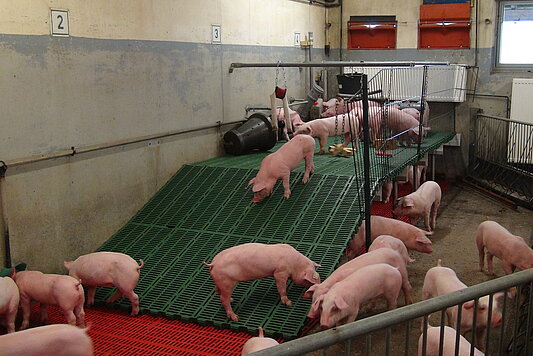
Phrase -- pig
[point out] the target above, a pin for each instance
(448, 345)
(420, 175)
(388, 241)
(101, 269)
(332, 107)
(413, 237)
(387, 256)
(424, 202)
(9, 302)
(511, 249)
(330, 127)
(443, 280)
(386, 190)
(57, 340)
(278, 165)
(258, 343)
(296, 121)
(404, 125)
(55, 289)
(252, 261)
(341, 304)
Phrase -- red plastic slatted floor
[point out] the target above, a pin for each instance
(116, 333)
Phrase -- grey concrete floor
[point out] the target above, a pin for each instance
(463, 209)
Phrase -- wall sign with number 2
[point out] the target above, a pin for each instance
(59, 22)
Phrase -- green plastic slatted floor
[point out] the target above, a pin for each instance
(205, 208)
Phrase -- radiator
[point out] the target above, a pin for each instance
(520, 138)
(444, 83)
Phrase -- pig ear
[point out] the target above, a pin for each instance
(316, 264)
(309, 292)
(407, 203)
(423, 240)
(468, 305)
(498, 297)
(340, 303)
(67, 264)
(252, 181)
(257, 187)
(310, 130)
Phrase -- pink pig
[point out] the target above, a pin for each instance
(329, 127)
(258, 343)
(55, 289)
(278, 165)
(511, 249)
(108, 269)
(448, 344)
(9, 302)
(56, 340)
(296, 121)
(388, 241)
(442, 280)
(341, 304)
(252, 261)
(413, 237)
(332, 107)
(387, 256)
(386, 190)
(402, 122)
(424, 202)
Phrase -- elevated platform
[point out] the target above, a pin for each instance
(205, 208)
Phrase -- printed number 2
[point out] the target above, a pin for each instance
(60, 25)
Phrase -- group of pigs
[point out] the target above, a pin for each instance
(65, 291)
(381, 271)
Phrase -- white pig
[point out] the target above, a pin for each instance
(330, 127)
(341, 304)
(252, 261)
(443, 280)
(55, 289)
(278, 165)
(258, 343)
(448, 345)
(388, 241)
(424, 202)
(9, 302)
(100, 269)
(511, 249)
(413, 237)
(56, 340)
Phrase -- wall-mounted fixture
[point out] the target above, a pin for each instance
(372, 32)
(444, 26)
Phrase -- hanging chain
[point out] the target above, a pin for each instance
(277, 72)
(282, 72)
(336, 122)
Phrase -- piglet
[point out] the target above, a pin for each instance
(385, 255)
(443, 280)
(252, 261)
(278, 165)
(330, 127)
(404, 125)
(55, 289)
(448, 344)
(424, 202)
(332, 107)
(388, 241)
(56, 340)
(9, 302)
(511, 249)
(108, 269)
(341, 304)
(413, 237)
(258, 343)
(386, 190)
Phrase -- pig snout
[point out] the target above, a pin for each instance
(259, 196)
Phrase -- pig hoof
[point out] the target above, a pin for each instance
(233, 317)
(286, 301)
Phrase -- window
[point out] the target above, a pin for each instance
(515, 26)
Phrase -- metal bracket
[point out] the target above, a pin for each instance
(3, 169)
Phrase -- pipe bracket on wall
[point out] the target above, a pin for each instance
(3, 169)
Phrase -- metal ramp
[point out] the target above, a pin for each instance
(204, 208)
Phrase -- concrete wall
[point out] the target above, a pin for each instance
(128, 69)
(489, 80)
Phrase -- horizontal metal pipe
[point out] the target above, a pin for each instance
(376, 322)
(77, 150)
(505, 119)
(334, 64)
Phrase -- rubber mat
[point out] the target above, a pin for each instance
(205, 208)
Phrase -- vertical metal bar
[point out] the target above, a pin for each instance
(458, 328)
(529, 316)
(441, 334)
(388, 342)
(347, 347)
(366, 159)
(517, 311)
(369, 345)
(504, 314)
(474, 327)
(489, 322)
(407, 332)
(425, 335)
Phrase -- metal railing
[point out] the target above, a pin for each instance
(510, 331)
(503, 157)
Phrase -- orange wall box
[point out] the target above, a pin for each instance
(377, 32)
(444, 26)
